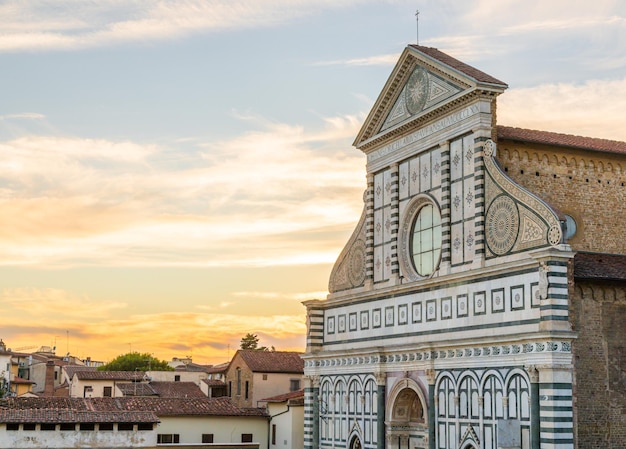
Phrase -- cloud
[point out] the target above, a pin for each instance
(384, 60)
(565, 107)
(211, 337)
(75, 24)
(249, 201)
(24, 115)
(52, 302)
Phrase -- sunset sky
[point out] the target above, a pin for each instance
(175, 174)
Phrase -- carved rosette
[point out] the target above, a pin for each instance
(349, 270)
(516, 219)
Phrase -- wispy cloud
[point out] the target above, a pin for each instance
(74, 24)
(23, 115)
(384, 60)
(565, 108)
(245, 201)
(85, 326)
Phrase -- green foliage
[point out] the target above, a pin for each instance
(4, 385)
(136, 361)
(251, 341)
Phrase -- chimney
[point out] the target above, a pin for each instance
(48, 389)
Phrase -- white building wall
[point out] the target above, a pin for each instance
(71, 439)
(224, 429)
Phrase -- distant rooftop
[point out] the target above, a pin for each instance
(566, 140)
(272, 361)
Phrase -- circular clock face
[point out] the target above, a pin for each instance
(417, 89)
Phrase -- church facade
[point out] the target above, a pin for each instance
(455, 307)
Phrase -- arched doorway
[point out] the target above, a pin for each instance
(407, 417)
(355, 443)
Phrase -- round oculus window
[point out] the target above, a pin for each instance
(425, 244)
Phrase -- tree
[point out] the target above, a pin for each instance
(134, 361)
(4, 385)
(251, 341)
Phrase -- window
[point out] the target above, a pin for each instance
(238, 381)
(273, 433)
(294, 384)
(246, 438)
(247, 388)
(230, 388)
(426, 240)
(144, 426)
(125, 426)
(105, 426)
(87, 426)
(13, 426)
(67, 426)
(28, 426)
(86, 390)
(56, 375)
(48, 426)
(264, 376)
(107, 392)
(207, 438)
(168, 438)
(177, 378)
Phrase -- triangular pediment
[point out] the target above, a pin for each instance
(422, 83)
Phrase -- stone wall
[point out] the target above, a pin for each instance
(589, 186)
(598, 315)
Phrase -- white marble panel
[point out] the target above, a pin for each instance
(378, 263)
(470, 241)
(456, 201)
(468, 198)
(387, 224)
(468, 155)
(414, 176)
(437, 194)
(378, 227)
(387, 261)
(403, 179)
(378, 190)
(456, 159)
(456, 243)
(387, 187)
(436, 168)
(425, 173)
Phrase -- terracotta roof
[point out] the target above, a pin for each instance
(109, 409)
(272, 361)
(19, 380)
(66, 410)
(605, 267)
(217, 368)
(285, 397)
(109, 375)
(214, 382)
(568, 140)
(136, 389)
(222, 406)
(193, 367)
(177, 390)
(71, 369)
(455, 64)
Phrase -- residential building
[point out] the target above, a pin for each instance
(98, 384)
(253, 375)
(481, 300)
(286, 420)
(130, 422)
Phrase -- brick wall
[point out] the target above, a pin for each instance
(589, 186)
(598, 315)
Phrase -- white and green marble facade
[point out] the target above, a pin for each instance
(476, 354)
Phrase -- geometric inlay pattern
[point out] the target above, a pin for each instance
(502, 225)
